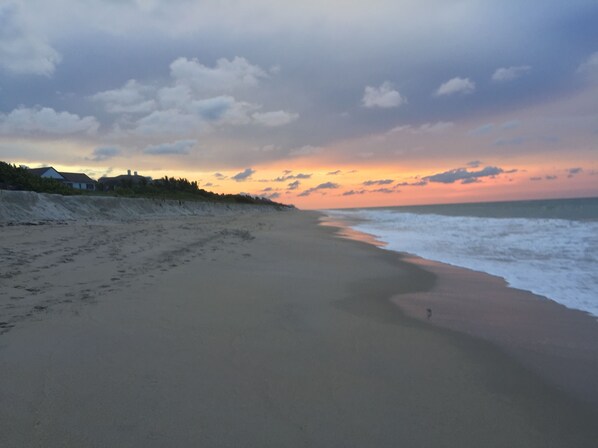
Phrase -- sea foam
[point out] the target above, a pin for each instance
(555, 258)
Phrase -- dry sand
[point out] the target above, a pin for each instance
(245, 328)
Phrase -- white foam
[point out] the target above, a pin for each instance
(554, 258)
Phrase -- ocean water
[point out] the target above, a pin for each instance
(548, 247)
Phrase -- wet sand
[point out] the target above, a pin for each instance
(255, 329)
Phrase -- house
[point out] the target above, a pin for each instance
(78, 181)
(47, 172)
(124, 180)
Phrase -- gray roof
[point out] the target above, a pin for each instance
(78, 178)
(40, 171)
(133, 177)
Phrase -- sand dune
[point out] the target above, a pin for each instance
(27, 206)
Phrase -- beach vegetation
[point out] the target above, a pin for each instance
(13, 177)
(179, 189)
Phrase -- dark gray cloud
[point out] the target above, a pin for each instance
(271, 196)
(354, 192)
(180, 147)
(572, 172)
(369, 183)
(243, 175)
(105, 153)
(474, 163)
(293, 185)
(324, 186)
(418, 183)
(333, 173)
(292, 176)
(384, 190)
(462, 174)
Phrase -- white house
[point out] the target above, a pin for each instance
(47, 172)
(78, 181)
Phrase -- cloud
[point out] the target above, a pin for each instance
(132, 98)
(590, 65)
(333, 173)
(324, 186)
(535, 178)
(271, 196)
(489, 127)
(551, 177)
(510, 141)
(452, 176)
(456, 85)
(573, 171)
(22, 50)
(384, 190)
(505, 74)
(243, 175)
(384, 96)
(474, 163)
(45, 120)
(369, 183)
(435, 128)
(104, 153)
(211, 109)
(293, 185)
(291, 176)
(225, 76)
(482, 130)
(512, 124)
(194, 100)
(426, 128)
(276, 118)
(471, 180)
(168, 122)
(354, 192)
(179, 147)
(419, 183)
(306, 150)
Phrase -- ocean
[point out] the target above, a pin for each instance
(548, 247)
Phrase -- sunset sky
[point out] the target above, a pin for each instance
(315, 103)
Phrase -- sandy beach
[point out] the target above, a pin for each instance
(151, 325)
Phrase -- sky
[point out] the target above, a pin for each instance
(321, 104)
